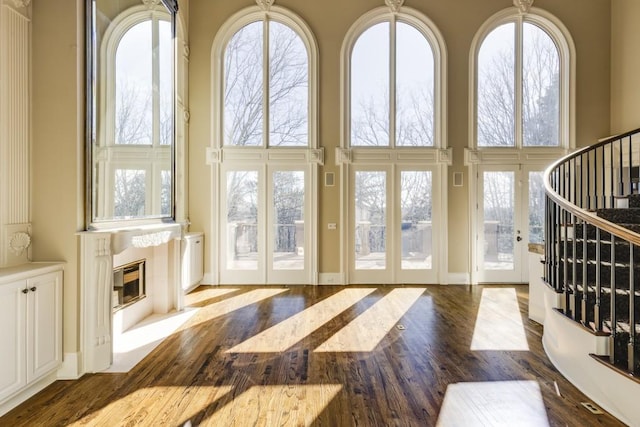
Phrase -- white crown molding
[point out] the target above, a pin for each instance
(151, 3)
(394, 5)
(316, 155)
(214, 155)
(265, 4)
(471, 157)
(523, 5)
(445, 156)
(343, 156)
(18, 4)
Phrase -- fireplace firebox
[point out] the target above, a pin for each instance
(128, 284)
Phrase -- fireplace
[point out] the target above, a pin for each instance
(128, 284)
(159, 246)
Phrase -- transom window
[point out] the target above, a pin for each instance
(519, 102)
(266, 87)
(392, 87)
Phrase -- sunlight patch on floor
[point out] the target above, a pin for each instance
(497, 403)
(499, 322)
(207, 293)
(366, 331)
(287, 333)
(166, 402)
(278, 405)
(134, 344)
(222, 308)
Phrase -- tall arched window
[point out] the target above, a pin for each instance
(264, 153)
(392, 87)
(132, 153)
(266, 87)
(518, 87)
(393, 154)
(522, 96)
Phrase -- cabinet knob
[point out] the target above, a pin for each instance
(25, 290)
(33, 289)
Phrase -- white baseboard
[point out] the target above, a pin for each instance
(71, 368)
(330, 279)
(458, 279)
(207, 279)
(26, 393)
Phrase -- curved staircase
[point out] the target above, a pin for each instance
(592, 268)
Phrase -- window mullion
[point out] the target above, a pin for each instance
(155, 77)
(392, 81)
(265, 83)
(519, 137)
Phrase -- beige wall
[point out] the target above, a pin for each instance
(58, 110)
(587, 20)
(58, 175)
(625, 66)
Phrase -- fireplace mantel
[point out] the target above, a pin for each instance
(98, 248)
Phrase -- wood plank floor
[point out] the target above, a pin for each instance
(330, 356)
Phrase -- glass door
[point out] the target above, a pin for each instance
(253, 252)
(510, 215)
(499, 231)
(392, 231)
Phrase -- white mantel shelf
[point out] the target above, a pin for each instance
(139, 236)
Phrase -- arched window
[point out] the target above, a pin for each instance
(264, 151)
(266, 87)
(522, 97)
(393, 153)
(133, 151)
(523, 67)
(395, 81)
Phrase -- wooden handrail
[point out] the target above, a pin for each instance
(583, 214)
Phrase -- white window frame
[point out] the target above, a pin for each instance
(359, 158)
(475, 156)
(567, 61)
(138, 156)
(223, 157)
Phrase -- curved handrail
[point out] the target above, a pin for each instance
(583, 214)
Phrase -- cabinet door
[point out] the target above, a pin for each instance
(13, 304)
(44, 324)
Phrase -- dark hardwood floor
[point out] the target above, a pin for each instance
(328, 356)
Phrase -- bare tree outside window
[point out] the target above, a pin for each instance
(288, 217)
(416, 205)
(134, 86)
(143, 120)
(370, 219)
(496, 89)
(288, 87)
(242, 219)
(496, 109)
(370, 88)
(129, 200)
(540, 88)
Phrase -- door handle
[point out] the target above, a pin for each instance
(518, 238)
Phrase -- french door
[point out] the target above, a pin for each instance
(393, 226)
(265, 226)
(509, 215)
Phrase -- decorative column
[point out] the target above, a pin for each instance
(15, 123)
(96, 278)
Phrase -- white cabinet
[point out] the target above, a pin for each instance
(44, 324)
(13, 309)
(192, 267)
(30, 331)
